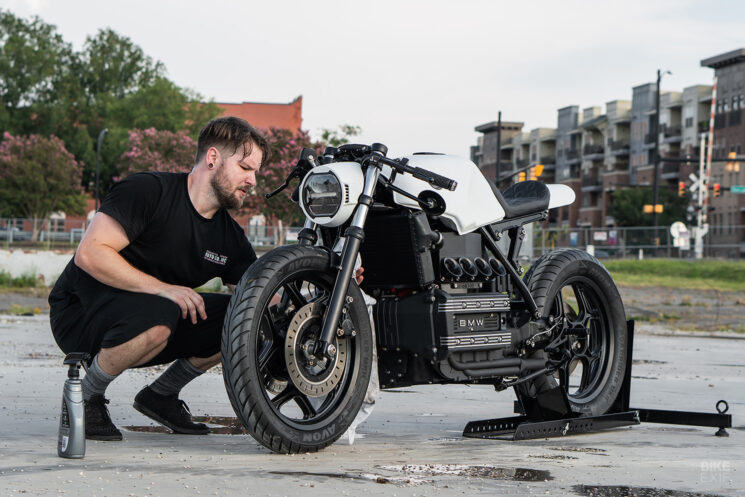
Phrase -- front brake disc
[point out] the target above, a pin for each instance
(312, 377)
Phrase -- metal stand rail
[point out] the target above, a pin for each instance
(549, 414)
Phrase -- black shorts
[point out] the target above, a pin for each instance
(87, 316)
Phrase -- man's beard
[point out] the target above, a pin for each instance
(226, 196)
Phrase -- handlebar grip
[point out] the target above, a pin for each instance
(435, 179)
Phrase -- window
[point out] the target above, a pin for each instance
(689, 122)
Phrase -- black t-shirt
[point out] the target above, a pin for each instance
(168, 238)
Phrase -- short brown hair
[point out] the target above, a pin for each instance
(229, 133)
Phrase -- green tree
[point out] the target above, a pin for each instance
(627, 206)
(339, 136)
(36, 75)
(39, 176)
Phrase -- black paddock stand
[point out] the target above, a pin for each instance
(549, 414)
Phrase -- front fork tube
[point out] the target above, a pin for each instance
(354, 235)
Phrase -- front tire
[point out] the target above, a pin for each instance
(282, 407)
(572, 286)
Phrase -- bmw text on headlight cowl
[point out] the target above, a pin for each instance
(322, 194)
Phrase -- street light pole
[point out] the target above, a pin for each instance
(98, 159)
(499, 148)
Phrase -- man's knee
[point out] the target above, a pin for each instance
(157, 336)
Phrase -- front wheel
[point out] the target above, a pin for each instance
(285, 397)
(575, 289)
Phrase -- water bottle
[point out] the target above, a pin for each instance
(71, 439)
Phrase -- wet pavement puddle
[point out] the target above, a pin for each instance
(413, 474)
(624, 491)
(486, 472)
(226, 426)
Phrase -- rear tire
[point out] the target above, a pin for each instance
(599, 309)
(261, 390)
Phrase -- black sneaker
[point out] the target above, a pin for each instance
(98, 425)
(169, 411)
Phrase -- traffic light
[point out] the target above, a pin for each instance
(536, 171)
(521, 176)
(681, 189)
(717, 189)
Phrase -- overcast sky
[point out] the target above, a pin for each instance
(415, 75)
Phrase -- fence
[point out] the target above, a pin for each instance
(628, 242)
(62, 234)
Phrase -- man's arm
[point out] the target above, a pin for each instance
(98, 255)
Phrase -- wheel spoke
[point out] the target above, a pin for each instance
(304, 404)
(584, 311)
(297, 298)
(586, 374)
(286, 395)
(268, 350)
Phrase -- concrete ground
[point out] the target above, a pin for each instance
(410, 445)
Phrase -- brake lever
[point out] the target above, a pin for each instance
(304, 164)
(279, 188)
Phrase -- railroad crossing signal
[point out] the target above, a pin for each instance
(648, 208)
(681, 189)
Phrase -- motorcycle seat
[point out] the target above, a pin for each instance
(522, 198)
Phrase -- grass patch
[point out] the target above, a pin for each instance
(23, 310)
(24, 281)
(674, 273)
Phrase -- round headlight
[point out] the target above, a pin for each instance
(322, 194)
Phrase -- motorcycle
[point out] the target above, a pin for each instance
(440, 245)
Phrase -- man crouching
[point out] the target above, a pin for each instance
(127, 295)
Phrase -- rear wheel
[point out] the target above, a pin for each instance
(288, 399)
(576, 290)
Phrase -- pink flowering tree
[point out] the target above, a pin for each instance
(284, 149)
(157, 150)
(38, 176)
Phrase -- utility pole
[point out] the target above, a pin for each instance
(499, 147)
(655, 185)
(98, 159)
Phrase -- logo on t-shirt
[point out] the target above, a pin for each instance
(216, 258)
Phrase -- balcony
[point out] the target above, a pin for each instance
(522, 162)
(672, 134)
(572, 155)
(591, 183)
(547, 159)
(670, 170)
(672, 131)
(593, 152)
(619, 147)
(650, 138)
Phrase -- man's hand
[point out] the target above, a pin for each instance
(190, 302)
(358, 275)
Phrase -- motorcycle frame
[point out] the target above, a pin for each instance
(355, 234)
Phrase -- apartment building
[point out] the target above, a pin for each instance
(598, 152)
(568, 158)
(642, 138)
(616, 165)
(484, 154)
(729, 137)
